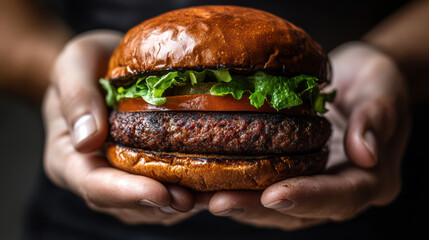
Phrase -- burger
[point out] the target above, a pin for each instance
(218, 98)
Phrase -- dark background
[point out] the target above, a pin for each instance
(21, 143)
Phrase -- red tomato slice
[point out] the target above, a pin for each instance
(206, 103)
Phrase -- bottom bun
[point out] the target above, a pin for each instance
(215, 172)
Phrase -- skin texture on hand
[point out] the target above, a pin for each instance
(75, 118)
(370, 130)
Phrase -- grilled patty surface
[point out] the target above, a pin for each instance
(219, 132)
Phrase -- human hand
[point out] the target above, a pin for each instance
(371, 125)
(76, 125)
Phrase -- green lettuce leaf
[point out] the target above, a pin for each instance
(235, 87)
(279, 91)
(111, 92)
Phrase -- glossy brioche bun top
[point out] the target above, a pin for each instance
(240, 39)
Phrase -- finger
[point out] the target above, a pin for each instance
(102, 186)
(202, 200)
(56, 135)
(337, 197)
(246, 207)
(232, 203)
(75, 75)
(108, 187)
(89, 175)
(371, 124)
(182, 199)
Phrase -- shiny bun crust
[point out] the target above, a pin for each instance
(210, 172)
(236, 38)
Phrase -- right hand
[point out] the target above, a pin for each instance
(371, 124)
(76, 126)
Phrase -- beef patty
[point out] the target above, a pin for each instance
(219, 132)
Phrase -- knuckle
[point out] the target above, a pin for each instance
(92, 202)
(89, 200)
(62, 62)
(55, 74)
(74, 103)
(378, 62)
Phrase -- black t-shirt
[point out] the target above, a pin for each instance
(58, 214)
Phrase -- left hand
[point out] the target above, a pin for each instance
(370, 123)
(75, 118)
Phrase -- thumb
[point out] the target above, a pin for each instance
(75, 76)
(371, 124)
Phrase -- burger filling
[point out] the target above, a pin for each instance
(219, 132)
(279, 91)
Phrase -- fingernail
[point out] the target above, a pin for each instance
(230, 212)
(371, 143)
(282, 204)
(83, 128)
(147, 203)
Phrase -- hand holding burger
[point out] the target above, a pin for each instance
(217, 98)
(371, 125)
(85, 128)
(75, 119)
